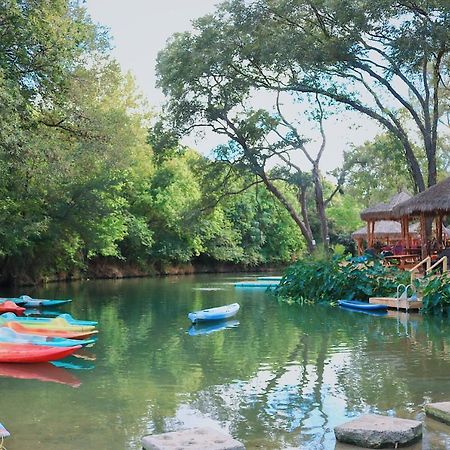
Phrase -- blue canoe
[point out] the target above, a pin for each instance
(211, 314)
(270, 278)
(361, 306)
(11, 336)
(29, 302)
(208, 328)
(69, 319)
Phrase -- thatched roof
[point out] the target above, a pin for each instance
(384, 211)
(433, 201)
(383, 229)
(392, 230)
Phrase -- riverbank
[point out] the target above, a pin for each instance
(109, 268)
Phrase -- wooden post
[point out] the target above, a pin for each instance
(439, 232)
(423, 235)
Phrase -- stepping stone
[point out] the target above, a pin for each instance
(193, 439)
(439, 411)
(375, 431)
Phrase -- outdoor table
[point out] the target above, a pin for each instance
(402, 260)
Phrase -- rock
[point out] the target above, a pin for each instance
(375, 431)
(439, 411)
(193, 439)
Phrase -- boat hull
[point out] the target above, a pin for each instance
(29, 353)
(19, 328)
(361, 306)
(214, 314)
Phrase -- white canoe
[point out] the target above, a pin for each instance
(219, 313)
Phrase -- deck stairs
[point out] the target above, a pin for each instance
(413, 302)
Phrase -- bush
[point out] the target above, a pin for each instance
(436, 294)
(321, 279)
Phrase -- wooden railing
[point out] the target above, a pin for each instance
(416, 268)
(443, 260)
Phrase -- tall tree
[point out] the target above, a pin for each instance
(387, 60)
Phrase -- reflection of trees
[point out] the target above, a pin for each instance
(270, 380)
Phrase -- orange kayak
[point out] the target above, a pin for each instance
(10, 306)
(19, 328)
(29, 353)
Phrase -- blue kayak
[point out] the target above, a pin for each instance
(219, 313)
(29, 302)
(10, 336)
(69, 319)
(270, 278)
(362, 306)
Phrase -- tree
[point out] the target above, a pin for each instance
(388, 61)
(205, 91)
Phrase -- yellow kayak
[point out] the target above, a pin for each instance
(57, 324)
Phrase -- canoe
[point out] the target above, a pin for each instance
(208, 328)
(19, 328)
(45, 372)
(257, 284)
(363, 306)
(67, 317)
(269, 278)
(29, 353)
(29, 302)
(10, 335)
(219, 313)
(58, 323)
(10, 307)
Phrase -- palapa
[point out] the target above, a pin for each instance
(385, 211)
(432, 202)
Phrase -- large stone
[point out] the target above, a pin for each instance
(193, 439)
(439, 411)
(374, 431)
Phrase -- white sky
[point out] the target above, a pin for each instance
(140, 28)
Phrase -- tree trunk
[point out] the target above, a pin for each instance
(320, 206)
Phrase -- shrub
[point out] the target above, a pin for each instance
(436, 294)
(321, 279)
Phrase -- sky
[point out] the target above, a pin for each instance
(139, 29)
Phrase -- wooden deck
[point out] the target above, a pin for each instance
(392, 303)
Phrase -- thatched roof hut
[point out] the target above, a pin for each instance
(432, 202)
(385, 211)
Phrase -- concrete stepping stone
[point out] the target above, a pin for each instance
(439, 411)
(193, 439)
(375, 431)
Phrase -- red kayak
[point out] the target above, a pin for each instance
(10, 306)
(19, 328)
(29, 353)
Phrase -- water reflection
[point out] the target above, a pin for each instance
(45, 372)
(282, 379)
(208, 328)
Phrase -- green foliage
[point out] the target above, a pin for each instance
(330, 279)
(436, 294)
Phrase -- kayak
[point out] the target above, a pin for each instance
(10, 335)
(257, 284)
(270, 278)
(208, 328)
(46, 372)
(363, 306)
(58, 323)
(219, 313)
(19, 328)
(30, 302)
(10, 307)
(29, 353)
(67, 317)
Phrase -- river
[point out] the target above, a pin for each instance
(282, 377)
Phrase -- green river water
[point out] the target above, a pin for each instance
(283, 377)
